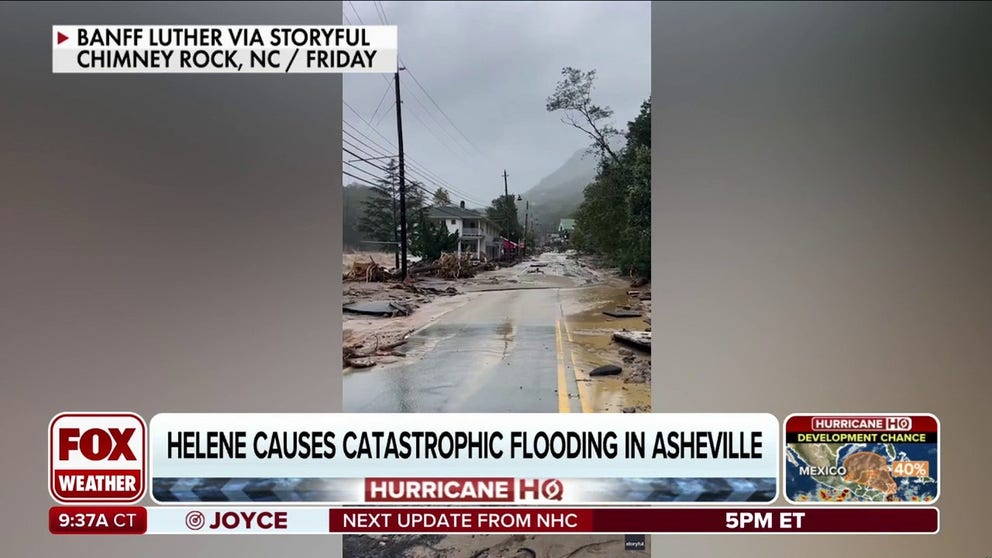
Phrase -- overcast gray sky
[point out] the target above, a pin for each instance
(490, 66)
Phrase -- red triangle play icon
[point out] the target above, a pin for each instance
(62, 37)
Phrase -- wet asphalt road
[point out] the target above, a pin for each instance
(502, 351)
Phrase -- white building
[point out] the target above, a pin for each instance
(477, 235)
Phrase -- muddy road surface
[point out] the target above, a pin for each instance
(520, 339)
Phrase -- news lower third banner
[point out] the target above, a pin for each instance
(261, 520)
(450, 458)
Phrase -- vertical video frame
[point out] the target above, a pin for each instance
(499, 261)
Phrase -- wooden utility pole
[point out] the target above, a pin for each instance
(526, 217)
(506, 207)
(399, 142)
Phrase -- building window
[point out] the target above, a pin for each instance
(452, 221)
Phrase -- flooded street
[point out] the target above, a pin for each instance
(523, 339)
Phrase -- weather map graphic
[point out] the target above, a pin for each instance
(855, 459)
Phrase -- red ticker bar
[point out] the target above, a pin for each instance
(634, 520)
(97, 520)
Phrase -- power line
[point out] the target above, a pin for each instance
(383, 10)
(361, 170)
(377, 154)
(387, 140)
(381, 99)
(367, 123)
(380, 12)
(440, 125)
(385, 114)
(439, 139)
(369, 162)
(383, 150)
(360, 181)
(429, 175)
(444, 114)
(374, 154)
(414, 183)
(359, 159)
(356, 13)
(415, 163)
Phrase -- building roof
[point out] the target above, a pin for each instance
(566, 224)
(454, 212)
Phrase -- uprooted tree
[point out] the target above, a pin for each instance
(614, 218)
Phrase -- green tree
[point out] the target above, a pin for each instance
(441, 197)
(432, 238)
(380, 221)
(573, 96)
(380, 218)
(503, 212)
(416, 210)
(614, 218)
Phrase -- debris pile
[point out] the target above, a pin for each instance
(362, 354)
(368, 271)
(451, 266)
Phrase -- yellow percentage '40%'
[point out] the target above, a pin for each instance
(911, 469)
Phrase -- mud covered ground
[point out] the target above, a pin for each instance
(569, 294)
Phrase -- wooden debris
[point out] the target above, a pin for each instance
(367, 271)
(358, 355)
(623, 313)
(637, 339)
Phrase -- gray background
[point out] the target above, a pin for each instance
(822, 214)
(822, 240)
(169, 243)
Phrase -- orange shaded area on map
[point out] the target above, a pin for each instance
(869, 469)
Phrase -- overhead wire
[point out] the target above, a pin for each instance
(423, 171)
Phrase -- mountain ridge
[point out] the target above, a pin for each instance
(559, 194)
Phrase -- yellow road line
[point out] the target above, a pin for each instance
(584, 399)
(563, 403)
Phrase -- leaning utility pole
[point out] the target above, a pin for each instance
(399, 142)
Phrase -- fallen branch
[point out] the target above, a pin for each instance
(379, 349)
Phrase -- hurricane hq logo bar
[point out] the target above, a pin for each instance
(97, 457)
